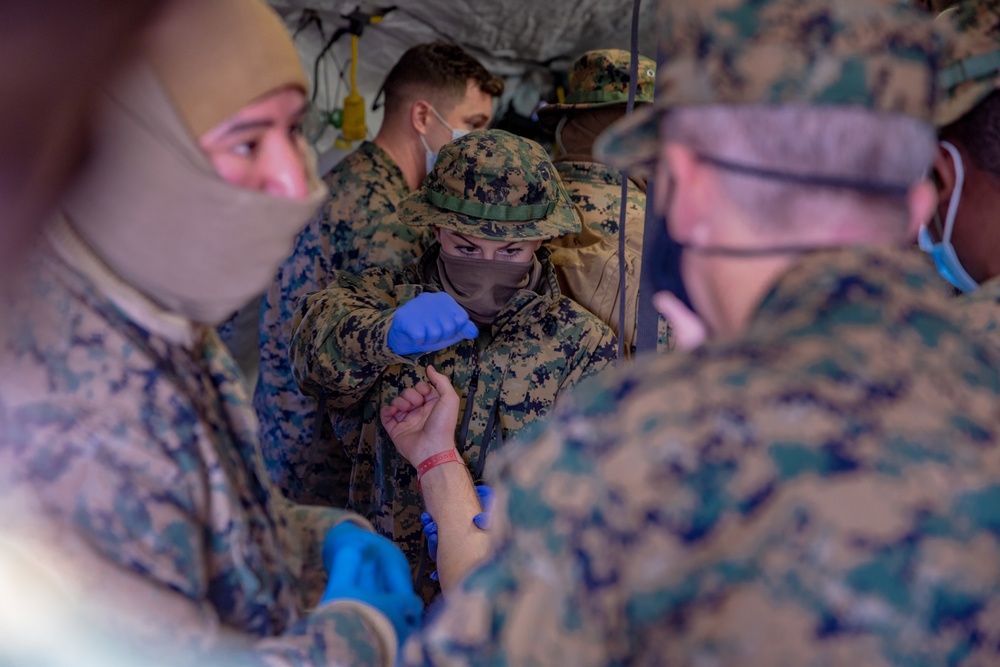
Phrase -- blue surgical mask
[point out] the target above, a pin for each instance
(943, 252)
(431, 156)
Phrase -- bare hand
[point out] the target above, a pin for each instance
(421, 421)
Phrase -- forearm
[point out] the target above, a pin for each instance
(450, 497)
(339, 346)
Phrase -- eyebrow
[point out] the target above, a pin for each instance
(473, 243)
(478, 118)
(257, 124)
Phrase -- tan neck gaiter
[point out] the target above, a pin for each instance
(484, 286)
(153, 209)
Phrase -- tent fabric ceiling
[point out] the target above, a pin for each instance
(523, 40)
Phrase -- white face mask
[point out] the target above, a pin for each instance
(431, 156)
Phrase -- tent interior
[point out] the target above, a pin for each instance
(530, 44)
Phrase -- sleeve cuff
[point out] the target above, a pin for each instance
(376, 620)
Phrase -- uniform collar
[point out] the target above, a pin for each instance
(74, 251)
(870, 285)
(382, 160)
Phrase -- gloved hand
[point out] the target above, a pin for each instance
(432, 321)
(366, 567)
(487, 498)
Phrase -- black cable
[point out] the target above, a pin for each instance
(633, 84)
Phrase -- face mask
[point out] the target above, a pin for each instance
(484, 286)
(154, 210)
(945, 258)
(430, 157)
(665, 259)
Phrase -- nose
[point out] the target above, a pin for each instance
(283, 169)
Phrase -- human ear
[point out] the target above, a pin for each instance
(921, 201)
(687, 199)
(944, 176)
(419, 112)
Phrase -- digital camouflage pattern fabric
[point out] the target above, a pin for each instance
(356, 229)
(875, 54)
(138, 442)
(822, 491)
(540, 345)
(587, 263)
(981, 309)
(601, 79)
(491, 184)
(972, 69)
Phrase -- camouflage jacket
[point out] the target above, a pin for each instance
(821, 491)
(981, 309)
(541, 344)
(587, 263)
(130, 429)
(355, 230)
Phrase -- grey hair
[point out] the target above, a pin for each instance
(841, 142)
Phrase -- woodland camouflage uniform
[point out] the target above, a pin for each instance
(135, 436)
(540, 344)
(820, 490)
(587, 263)
(356, 229)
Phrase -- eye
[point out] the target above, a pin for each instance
(245, 148)
(297, 130)
(467, 249)
(509, 253)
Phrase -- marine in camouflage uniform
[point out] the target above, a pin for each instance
(356, 229)
(971, 75)
(135, 434)
(539, 345)
(587, 263)
(819, 490)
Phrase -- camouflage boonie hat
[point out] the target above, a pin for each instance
(495, 185)
(875, 54)
(972, 71)
(601, 79)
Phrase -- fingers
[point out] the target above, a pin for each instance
(441, 382)
(688, 329)
(395, 573)
(469, 330)
(346, 568)
(487, 497)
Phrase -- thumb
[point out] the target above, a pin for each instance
(469, 330)
(441, 383)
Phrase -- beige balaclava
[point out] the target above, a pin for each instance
(150, 204)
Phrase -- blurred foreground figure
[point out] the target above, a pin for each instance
(124, 425)
(53, 55)
(817, 483)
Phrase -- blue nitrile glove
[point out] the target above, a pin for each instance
(431, 533)
(487, 498)
(369, 568)
(429, 322)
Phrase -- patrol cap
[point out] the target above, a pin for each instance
(972, 71)
(874, 54)
(601, 79)
(494, 185)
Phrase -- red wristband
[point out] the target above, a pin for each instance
(436, 460)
